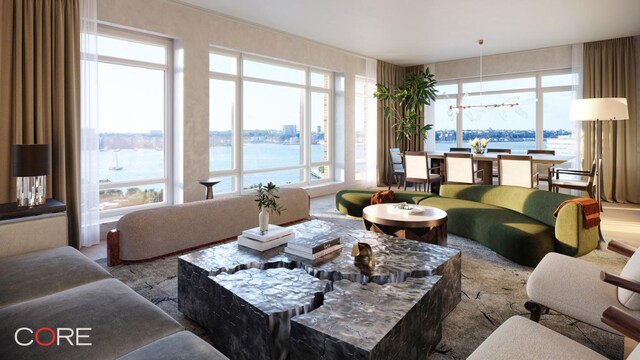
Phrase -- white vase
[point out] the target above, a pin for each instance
(263, 220)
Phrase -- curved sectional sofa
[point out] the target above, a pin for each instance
(515, 222)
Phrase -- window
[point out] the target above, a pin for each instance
(541, 121)
(366, 112)
(134, 117)
(268, 121)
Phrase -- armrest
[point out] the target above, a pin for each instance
(620, 281)
(568, 171)
(621, 248)
(623, 322)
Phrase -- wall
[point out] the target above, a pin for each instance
(637, 46)
(194, 30)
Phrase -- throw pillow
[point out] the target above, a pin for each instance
(382, 197)
(628, 298)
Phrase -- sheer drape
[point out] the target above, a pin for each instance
(89, 149)
(40, 93)
(610, 71)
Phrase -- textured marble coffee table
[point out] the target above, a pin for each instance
(269, 305)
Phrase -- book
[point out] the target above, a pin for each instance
(274, 232)
(263, 245)
(312, 244)
(319, 254)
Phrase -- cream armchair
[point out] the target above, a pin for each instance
(573, 287)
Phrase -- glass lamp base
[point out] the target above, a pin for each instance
(31, 190)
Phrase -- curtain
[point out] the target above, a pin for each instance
(89, 140)
(609, 71)
(40, 93)
(390, 75)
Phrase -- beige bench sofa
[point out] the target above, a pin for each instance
(63, 290)
(148, 234)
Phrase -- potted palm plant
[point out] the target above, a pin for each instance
(267, 200)
(411, 97)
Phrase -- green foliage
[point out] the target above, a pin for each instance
(417, 91)
(267, 198)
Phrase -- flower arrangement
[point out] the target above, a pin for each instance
(479, 146)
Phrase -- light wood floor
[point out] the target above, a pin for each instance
(619, 222)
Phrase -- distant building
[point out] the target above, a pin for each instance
(319, 129)
(289, 130)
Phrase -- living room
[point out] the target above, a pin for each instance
(152, 124)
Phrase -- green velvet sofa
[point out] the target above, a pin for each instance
(515, 222)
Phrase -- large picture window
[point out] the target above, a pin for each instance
(268, 121)
(541, 121)
(134, 82)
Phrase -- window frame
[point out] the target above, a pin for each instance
(238, 172)
(538, 90)
(167, 179)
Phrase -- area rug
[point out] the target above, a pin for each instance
(493, 289)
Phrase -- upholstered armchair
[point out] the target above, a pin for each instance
(582, 290)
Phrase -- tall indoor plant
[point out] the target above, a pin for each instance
(267, 200)
(410, 98)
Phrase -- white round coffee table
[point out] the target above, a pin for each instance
(430, 225)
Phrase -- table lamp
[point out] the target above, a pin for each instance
(30, 165)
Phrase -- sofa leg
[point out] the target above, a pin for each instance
(113, 248)
(536, 310)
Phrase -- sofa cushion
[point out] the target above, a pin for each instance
(149, 233)
(519, 338)
(513, 235)
(120, 321)
(536, 204)
(352, 201)
(628, 298)
(182, 345)
(32, 275)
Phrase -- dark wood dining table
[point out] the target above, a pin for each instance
(485, 162)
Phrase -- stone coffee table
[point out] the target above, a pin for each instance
(430, 225)
(272, 305)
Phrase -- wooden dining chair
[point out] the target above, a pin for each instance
(461, 149)
(498, 151)
(516, 170)
(494, 166)
(417, 170)
(396, 167)
(458, 169)
(573, 179)
(542, 169)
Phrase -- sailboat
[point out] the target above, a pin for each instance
(114, 163)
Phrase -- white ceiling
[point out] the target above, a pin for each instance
(408, 32)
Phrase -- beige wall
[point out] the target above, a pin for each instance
(553, 58)
(194, 31)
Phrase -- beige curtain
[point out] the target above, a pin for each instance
(390, 75)
(610, 71)
(40, 93)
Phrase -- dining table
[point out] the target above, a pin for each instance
(485, 161)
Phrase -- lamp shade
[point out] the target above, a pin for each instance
(599, 109)
(29, 160)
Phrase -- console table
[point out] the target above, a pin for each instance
(26, 229)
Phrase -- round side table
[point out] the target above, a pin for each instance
(208, 183)
(429, 226)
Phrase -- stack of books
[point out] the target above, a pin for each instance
(262, 241)
(313, 246)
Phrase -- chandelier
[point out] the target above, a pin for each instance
(509, 103)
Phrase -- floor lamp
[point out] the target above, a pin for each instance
(599, 109)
